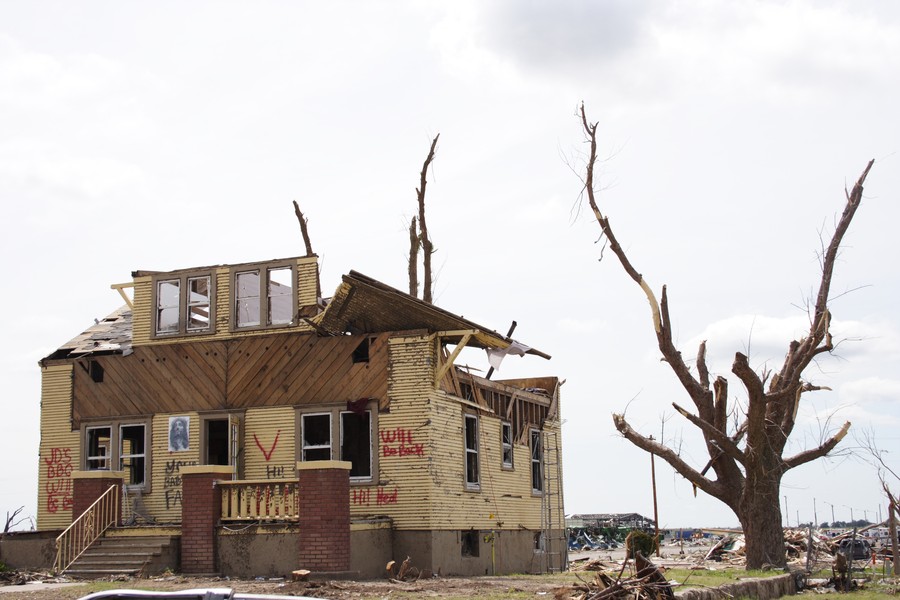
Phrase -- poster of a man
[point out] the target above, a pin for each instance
(178, 433)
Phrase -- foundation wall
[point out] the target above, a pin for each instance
(29, 550)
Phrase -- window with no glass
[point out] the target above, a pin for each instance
(183, 304)
(537, 462)
(471, 438)
(353, 432)
(123, 446)
(264, 296)
(506, 443)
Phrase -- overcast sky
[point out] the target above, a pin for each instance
(167, 135)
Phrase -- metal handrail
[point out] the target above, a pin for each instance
(85, 530)
(260, 500)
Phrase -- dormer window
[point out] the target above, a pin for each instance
(183, 304)
(264, 296)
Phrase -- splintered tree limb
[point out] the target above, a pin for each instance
(303, 229)
(813, 454)
(702, 369)
(800, 358)
(668, 455)
(427, 247)
(720, 438)
(413, 267)
(590, 130)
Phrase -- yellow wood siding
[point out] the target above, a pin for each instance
(403, 441)
(164, 499)
(143, 315)
(60, 451)
(269, 450)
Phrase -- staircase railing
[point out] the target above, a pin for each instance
(85, 530)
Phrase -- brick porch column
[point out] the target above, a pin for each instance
(324, 506)
(87, 486)
(201, 506)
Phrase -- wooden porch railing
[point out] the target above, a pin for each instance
(260, 500)
(85, 530)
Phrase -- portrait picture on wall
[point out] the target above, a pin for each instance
(178, 433)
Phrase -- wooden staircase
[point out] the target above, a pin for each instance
(127, 555)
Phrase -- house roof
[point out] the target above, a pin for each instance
(106, 336)
(362, 304)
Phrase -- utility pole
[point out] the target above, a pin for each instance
(832, 511)
(655, 512)
(815, 516)
(787, 513)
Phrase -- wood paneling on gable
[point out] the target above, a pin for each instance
(257, 371)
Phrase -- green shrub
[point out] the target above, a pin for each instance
(642, 542)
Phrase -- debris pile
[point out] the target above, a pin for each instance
(20, 577)
(648, 583)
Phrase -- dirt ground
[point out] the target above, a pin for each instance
(442, 587)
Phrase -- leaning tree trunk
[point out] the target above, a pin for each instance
(760, 516)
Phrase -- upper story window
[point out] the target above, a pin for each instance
(537, 462)
(471, 441)
(506, 444)
(183, 304)
(264, 296)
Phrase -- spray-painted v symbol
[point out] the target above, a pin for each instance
(271, 451)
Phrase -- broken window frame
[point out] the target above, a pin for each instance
(186, 304)
(102, 460)
(536, 447)
(506, 445)
(260, 298)
(304, 447)
(470, 445)
(336, 429)
(114, 451)
(367, 462)
(137, 460)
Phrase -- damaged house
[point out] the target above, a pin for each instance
(233, 420)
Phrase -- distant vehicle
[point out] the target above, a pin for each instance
(858, 549)
(198, 594)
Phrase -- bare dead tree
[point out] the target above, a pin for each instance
(748, 463)
(12, 521)
(413, 267)
(427, 246)
(303, 230)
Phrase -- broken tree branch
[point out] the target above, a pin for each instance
(413, 267)
(814, 453)
(303, 230)
(427, 246)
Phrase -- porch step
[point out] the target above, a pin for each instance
(133, 556)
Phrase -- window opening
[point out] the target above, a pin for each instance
(216, 433)
(246, 308)
(96, 371)
(198, 303)
(469, 541)
(98, 448)
(316, 436)
(168, 295)
(132, 453)
(280, 294)
(361, 352)
(506, 443)
(472, 451)
(537, 460)
(356, 443)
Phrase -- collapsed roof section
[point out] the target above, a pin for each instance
(360, 305)
(363, 305)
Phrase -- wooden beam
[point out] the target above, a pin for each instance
(443, 368)
(120, 287)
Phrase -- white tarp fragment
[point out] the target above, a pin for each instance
(496, 355)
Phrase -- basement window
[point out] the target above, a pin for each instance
(471, 440)
(469, 542)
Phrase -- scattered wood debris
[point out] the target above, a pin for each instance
(648, 583)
